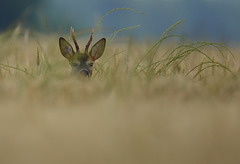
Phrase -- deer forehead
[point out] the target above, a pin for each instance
(79, 57)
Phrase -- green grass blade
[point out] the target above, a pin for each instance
(113, 10)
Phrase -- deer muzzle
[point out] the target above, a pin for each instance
(84, 73)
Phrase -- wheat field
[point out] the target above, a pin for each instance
(139, 107)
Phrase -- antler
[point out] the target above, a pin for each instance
(89, 42)
(74, 39)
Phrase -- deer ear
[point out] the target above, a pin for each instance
(98, 49)
(65, 48)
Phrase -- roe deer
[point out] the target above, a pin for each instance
(82, 63)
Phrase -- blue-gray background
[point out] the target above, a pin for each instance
(213, 20)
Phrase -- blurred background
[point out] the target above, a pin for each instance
(211, 20)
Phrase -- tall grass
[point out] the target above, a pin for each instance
(171, 60)
(153, 64)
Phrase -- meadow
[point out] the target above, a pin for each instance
(164, 101)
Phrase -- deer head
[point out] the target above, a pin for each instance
(82, 63)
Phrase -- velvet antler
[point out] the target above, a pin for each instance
(89, 42)
(74, 39)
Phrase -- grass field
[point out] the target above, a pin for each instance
(140, 106)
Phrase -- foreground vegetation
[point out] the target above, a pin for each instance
(164, 102)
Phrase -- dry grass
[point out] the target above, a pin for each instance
(122, 115)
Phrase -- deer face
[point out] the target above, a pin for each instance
(82, 63)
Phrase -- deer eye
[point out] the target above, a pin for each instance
(90, 64)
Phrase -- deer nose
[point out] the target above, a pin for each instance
(84, 72)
